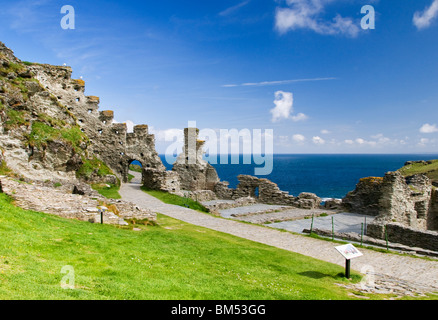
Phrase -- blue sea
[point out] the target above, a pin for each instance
(327, 175)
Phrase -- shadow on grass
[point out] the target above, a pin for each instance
(317, 275)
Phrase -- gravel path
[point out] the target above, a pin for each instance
(418, 273)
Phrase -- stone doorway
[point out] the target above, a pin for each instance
(135, 172)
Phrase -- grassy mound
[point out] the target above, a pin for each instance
(429, 168)
(176, 200)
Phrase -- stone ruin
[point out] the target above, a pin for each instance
(111, 141)
(406, 209)
(195, 173)
(201, 180)
(265, 191)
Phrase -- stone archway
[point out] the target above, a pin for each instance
(135, 171)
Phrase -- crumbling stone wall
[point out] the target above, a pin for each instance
(410, 201)
(432, 218)
(265, 191)
(110, 141)
(195, 173)
(156, 179)
(405, 208)
(365, 198)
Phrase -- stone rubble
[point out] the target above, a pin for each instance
(58, 201)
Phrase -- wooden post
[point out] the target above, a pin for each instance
(333, 229)
(361, 233)
(311, 225)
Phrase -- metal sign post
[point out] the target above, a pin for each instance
(349, 252)
(102, 209)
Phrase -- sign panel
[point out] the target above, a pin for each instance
(348, 251)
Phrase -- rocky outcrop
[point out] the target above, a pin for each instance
(109, 141)
(50, 128)
(39, 137)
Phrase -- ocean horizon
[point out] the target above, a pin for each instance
(326, 175)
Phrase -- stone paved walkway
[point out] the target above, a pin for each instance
(420, 273)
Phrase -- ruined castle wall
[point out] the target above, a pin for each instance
(398, 233)
(365, 198)
(265, 191)
(110, 141)
(432, 218)
(195, 173)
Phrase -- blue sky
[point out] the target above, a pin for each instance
(303, 68)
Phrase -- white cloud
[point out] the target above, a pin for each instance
(130, 126)
(305, 14)
(167, 135)
(298, 138)
(318, 140)
(424, 19)
(284, 102)
(428, 128)
(423, 142)
(233, 9)
(349, 141)
(270, 83)
(283, 105)
(299, 117)
(360, 141)
(324, 131)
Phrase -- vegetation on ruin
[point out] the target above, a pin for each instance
(429, 169)
(5, 170)
(371, 180)
(42, 133)
(170, 198)
(135, 168)
(92, 167)
(15, 119)
(108, 190)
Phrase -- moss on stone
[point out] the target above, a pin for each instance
(371, 180)
(93, 166)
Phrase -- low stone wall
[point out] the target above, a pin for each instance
(216, 206)
(404, 235)
(265, 191)
(355, 237)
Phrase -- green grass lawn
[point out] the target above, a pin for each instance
(172, 260)
(175, 199)
(108, 190)
(169, 261)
